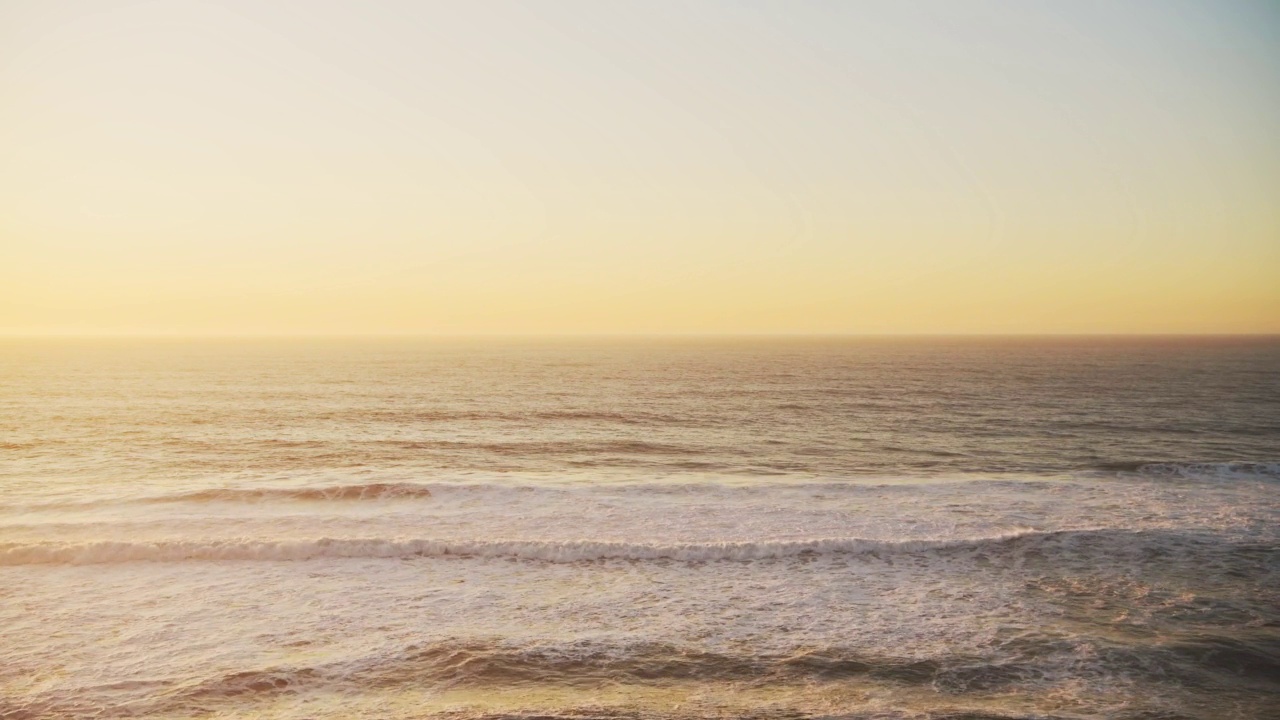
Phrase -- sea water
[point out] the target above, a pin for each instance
(641, 527)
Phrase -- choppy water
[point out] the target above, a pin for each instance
(640, 528)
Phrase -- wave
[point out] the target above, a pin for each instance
(1113, 543)
(536, 448)
(102, 552)
(549, 487)
(1032, 660)
(401, 417)
(480, 661)
(1241, 470)
(1246, 667)
(724, 485)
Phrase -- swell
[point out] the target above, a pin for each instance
(1112, 541)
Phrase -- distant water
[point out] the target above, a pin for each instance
(872, 528)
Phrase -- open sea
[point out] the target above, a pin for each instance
(640, 528)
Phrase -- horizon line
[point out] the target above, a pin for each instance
(618, 335)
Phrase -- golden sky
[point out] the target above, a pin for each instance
(652, 167)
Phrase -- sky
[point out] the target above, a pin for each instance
(353, 167)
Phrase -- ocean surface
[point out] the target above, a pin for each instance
(640, 528)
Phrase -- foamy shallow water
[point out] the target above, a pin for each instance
(296, 602)
(201, 534)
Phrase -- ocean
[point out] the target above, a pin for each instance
(640, 528)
